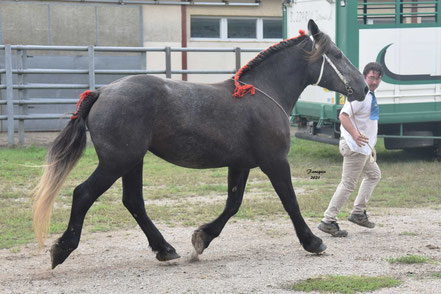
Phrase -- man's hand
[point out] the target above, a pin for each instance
(359, 138)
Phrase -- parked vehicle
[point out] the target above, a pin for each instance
(405, 37)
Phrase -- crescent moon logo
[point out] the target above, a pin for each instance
(393, 78)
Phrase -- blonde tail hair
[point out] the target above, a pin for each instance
(61, 158)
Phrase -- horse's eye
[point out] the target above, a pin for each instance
(339, 55)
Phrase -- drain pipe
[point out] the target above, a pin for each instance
(184, 39)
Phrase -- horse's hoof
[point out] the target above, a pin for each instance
(59, 254)
(198, 240)
(321, 249)
(317, 246)
(167, 255)
(194, 256)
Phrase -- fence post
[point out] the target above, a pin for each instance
(91, 52)
(237, 51)
(168, 62)
(9, 94)
(21, 62)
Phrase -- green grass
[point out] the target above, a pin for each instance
(344, 284)
(179, 196)
(409, 259)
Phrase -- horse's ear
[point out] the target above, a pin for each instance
(313, 28)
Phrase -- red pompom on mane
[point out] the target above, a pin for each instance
(242, 89)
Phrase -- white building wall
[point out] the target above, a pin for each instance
(162, 27)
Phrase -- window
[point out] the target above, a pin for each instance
(376, 13)
(236, 28)
(205, 27)
(241, 28)
(272, 29)
(418, 11)
(390, 12)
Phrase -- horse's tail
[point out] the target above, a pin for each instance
(62, 156)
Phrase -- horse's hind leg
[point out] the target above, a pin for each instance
(134, 202)
(279, 174)
(202, 237)
(84, 196)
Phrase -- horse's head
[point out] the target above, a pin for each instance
(330, 69)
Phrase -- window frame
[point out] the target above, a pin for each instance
(224, 29)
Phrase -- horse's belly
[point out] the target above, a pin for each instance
(191, 152)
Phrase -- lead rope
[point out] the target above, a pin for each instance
(350, 91)
(269, 97)
(374, 153)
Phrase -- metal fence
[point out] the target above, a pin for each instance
(13, 81)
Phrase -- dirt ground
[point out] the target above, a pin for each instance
(31, 138)
(248, 257)
(46, 138)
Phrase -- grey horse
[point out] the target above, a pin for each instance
(240, 123)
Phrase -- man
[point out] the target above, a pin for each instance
(359, 126)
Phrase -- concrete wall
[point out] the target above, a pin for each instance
(59, 23)
(74, 23)
(24, 23)
(65, 24)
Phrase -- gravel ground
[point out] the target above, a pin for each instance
(33, 138)
(248, 257)
(46, 138)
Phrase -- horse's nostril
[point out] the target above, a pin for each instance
(366, 90)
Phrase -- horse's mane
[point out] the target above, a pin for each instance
(322, 46)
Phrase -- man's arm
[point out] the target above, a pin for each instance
(359, 139)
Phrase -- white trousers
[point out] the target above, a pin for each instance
(353, 165)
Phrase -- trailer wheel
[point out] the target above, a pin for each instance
(438, 149)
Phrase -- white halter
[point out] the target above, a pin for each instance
(341, 77)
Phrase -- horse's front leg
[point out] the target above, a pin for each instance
(279, 174)
(202, 237)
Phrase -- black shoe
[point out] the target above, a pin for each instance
(361, 220)
(332, 228)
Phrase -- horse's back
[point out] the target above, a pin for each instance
(189, 124)
(147, 90)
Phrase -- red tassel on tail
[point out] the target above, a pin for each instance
(83, 95)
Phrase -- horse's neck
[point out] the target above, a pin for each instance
(283, 84)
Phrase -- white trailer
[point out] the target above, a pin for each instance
(405, 37)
